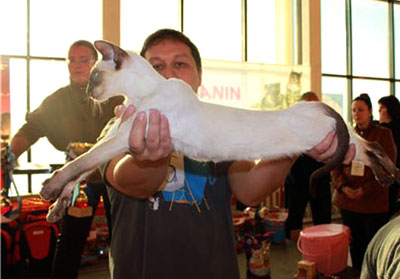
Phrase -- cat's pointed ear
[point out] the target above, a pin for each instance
(110, 51)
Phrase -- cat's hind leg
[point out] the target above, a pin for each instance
(382, 166)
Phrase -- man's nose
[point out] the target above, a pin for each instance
(170, 72)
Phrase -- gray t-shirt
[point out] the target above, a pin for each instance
(167, 236)
(382, 259)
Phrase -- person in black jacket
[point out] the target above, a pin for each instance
(389, 116)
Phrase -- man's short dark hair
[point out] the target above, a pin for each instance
(85, 44)
(309, 96)
(163, 34)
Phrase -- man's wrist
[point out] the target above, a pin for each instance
(150, 163)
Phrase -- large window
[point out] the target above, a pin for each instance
(264, 34)
(396, 24)
(360, 48)
(217, 31)
(140, 18)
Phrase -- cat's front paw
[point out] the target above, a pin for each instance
(58, 209)
(52, 187)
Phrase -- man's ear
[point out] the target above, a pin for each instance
(201, 75)
(110, 51)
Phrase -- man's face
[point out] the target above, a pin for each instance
(173, 59)
(80, 62)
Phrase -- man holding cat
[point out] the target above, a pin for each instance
(171, 215)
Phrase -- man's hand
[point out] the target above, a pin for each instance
(124, 111)
(327, 148)
(156, 144)
(140, 172)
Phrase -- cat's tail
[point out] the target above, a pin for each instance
(343, 136)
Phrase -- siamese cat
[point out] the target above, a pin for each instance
(205, 131)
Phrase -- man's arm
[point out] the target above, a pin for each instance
(251, 183)
(32, 129)
(19, 144)
(138, 179)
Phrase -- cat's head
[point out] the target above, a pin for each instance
(121, 72)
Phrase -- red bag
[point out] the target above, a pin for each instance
(7, 246)
(33, 240)
(35, 243)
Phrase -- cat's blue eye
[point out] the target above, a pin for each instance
(95, 77)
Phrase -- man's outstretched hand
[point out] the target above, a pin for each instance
(327, 148)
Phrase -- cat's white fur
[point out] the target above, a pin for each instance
(199, 130)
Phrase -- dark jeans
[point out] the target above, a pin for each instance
(363, 228)
(73, 234)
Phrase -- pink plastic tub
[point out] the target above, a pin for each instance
(326, 245)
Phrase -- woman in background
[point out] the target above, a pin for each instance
(389, 116)
(363, 202)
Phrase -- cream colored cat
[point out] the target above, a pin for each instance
(204, 131)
